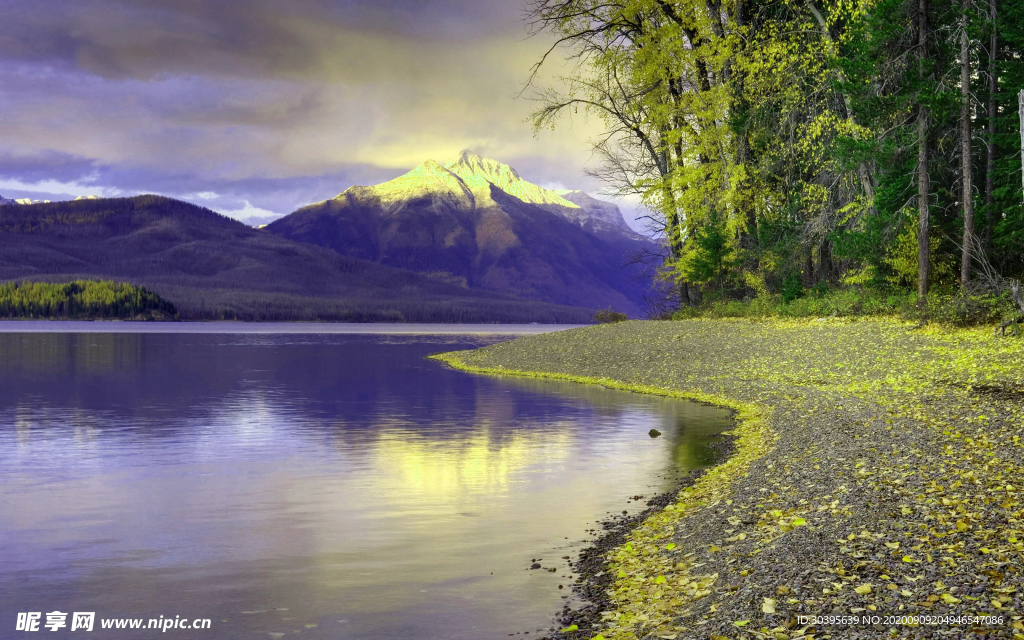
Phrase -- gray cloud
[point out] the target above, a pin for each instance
(270, 103)
(353, 40)
(40, 165)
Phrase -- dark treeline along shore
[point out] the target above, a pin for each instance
(212, 267)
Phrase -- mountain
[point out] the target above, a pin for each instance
(594, 215)
(4, 200)
(477, 223)
(479, 172)
(598, 216)
(210, 266)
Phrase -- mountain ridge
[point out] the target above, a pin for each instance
(476, 220)
(211, 266)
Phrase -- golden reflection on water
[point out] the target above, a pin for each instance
(23, 424)
(475, 464)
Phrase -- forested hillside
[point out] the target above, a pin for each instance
(798, 145)
(212, 267)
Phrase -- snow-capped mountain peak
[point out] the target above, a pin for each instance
(473, 168)
(428, 179)
(4, 200)
(466, 183)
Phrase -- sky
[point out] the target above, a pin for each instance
(257, 107)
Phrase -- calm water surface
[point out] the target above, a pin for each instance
(310, 485)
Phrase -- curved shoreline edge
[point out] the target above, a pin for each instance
(876, 492)
(646, 559)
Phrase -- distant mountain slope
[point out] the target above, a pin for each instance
(210, 266)
(477, 223)
(598, 216)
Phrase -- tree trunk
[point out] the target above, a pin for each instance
(825, 266)
(674, 235)
(692, 295)
(990, 158)
(923, 185)
(1020, 111)
(965, 154)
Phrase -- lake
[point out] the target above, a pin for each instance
(319, 481)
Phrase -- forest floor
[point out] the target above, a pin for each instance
(876, 488)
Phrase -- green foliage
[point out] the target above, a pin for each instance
(945, 306)
(710, 256)
(605, 316)
(792, 289)
(901, 259)
(82, 299)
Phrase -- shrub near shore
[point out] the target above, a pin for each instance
(893, 488)
(949, 307)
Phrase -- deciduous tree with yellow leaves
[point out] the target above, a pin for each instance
(804, 139)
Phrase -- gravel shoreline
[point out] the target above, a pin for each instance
(875, 492)
(592, 565)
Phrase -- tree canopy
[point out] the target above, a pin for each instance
(82, 299)
(822, 142)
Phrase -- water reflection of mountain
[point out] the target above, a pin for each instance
(144, 378)
(346, 389)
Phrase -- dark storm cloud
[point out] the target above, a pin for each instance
(263, 38)
(264, 102)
